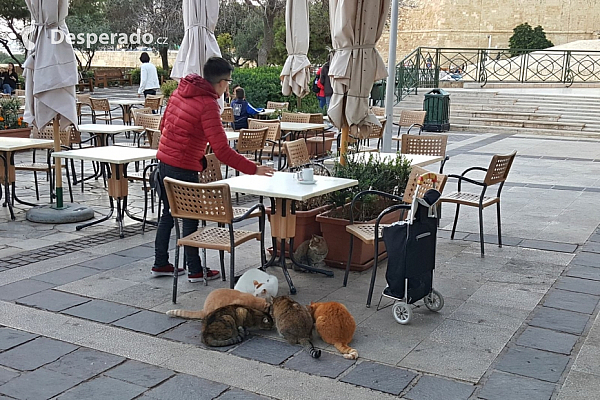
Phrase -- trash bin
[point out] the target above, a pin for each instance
(437, 105)
(378, 93)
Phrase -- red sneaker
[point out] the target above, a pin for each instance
(167, 270)
(212, 274)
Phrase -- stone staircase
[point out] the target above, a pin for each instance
(525, 112)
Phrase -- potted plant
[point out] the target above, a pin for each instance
(11, 123)
(390, 176)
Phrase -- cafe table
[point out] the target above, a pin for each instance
(126, 105)
(8, 147)
(115, 160)
(284, 191)
(106, 130)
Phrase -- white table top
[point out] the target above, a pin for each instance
(108, 129)
(126, 102)
(284, 185)
(297, 126)
(267, 111)
(232, 135)
(15, 144)
(415, 159)
(108, 154)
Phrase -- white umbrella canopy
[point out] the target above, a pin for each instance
(295, 75)
(356, 25)
(199, 42)
(50, 69)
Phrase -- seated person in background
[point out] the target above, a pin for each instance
(9, 79)
(242, 110)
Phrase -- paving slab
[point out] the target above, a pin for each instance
(148, 322)
(493, 239)
(139, 252)
(11, 337)
(36, 353)
(101, 311)
(66, 275)
(329, 365)
(237, 394)
(490, 315)
(379, 377)
(591, 247)
(39, 384)
(571, 301)
(550, 246)
(6, 375)
(559, 320)
(434, 388)
(53, 300)
(545, 339)
(139, 373)
(187, 387)
(580, 386)
(103, 388)
(84, 363)
(472, 335)
(587, 259)
(22, 288)
(578, 285)
(580, 271)
(266, 350)
(533, 363)
(587, 359)
(501, 386)
(108, 262)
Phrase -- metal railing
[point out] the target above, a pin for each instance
(425, 67)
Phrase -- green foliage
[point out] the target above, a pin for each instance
(5, 58)
(526, 39)
(167, 88)
(238, 32)
(9, 114)
(262, 84)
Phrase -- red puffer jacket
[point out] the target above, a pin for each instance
(193, 119)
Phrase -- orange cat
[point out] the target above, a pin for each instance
(220, 298)
(336, 326)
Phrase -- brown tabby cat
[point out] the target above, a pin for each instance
(336, 326)
(312, 252)
(228, 325)
(294, 323)
(220, 298)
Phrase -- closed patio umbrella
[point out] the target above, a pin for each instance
(50, 73)
(295, 74)
(356, 25)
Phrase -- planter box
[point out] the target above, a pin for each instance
(306, 225)
(315, 146)
(338, 241)
(17, 133)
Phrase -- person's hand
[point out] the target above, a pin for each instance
(264, 170)
(139, 95)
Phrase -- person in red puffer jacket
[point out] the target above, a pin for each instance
(191, 121)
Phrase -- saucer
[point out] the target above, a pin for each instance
(308, 182)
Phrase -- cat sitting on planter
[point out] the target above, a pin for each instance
(312, 252)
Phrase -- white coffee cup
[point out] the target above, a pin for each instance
(306, 174)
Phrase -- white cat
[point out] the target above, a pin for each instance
(258, 283)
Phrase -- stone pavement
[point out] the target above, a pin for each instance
(79, 310)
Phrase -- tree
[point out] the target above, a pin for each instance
(527, 38)
(87, 18)
(239, 32)
(268, 10)
(14, 15)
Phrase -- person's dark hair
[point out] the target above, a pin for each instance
(11, 65)
(216, 69)
(145, 58)
(240, 93)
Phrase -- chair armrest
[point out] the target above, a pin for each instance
(463, 178)
(389, 210)
(259, 206)
(320, 166)
(413, 125)
(366, 192)
(473, 169)
(145, 173)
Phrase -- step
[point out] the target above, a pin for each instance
(527, 124)
(506, 115)
(523, 131)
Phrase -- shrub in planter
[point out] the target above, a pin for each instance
(11, 124)
(167, 88)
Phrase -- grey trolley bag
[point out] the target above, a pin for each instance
(410, 246)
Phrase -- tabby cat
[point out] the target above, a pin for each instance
(228, 325)
(312, 252)
(335, 325)
(294, 323)
(223, 297)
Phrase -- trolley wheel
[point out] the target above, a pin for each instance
(434, 301)
(402, 313)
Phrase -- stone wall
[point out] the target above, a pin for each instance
(127, 58)
(453, 23)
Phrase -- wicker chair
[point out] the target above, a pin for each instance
(409, 120)
(141, 110)
(496, 173)
(154, 102)
(427, 145)
(102, 106)
(151, 133)
(376, 134)
(83, 100)
(365, 232)
(227, 118)
(278, 106)
(19, 92)
(378, 111)
(295, 117)
(273, 135)
(212, 203)
(297, 157)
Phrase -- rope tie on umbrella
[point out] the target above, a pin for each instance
(358, 47)
(199, 25)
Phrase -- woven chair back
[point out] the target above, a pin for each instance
(377, 132)
(277, 106)
(19, 92)
(499, 168)
(84, 99)
(212, 172)
(201, 201)
(379, 111)
(153, 103)
(252, 139)
(48, 133)
(407, 118)
(273, 126)
(315, 118)
(100, 104)
(297, 153)
(142, 110)
(411, 185)
(227, 115)
(148, 121)
(426, 145)
(295, 117)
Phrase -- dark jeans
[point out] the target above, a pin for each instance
(150, 92)
(322, 101)
(165, 225)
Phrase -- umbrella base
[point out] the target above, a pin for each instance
(49, 214)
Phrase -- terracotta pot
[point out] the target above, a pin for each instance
(17, 133)
(338, 241)
(306, 224)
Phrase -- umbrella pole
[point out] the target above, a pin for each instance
(58, 164)
(344, 144)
